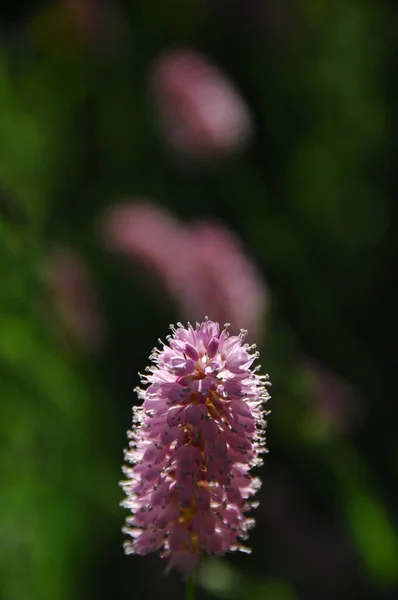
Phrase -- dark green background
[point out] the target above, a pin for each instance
(314, 201)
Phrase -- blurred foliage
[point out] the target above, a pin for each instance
(313, 200)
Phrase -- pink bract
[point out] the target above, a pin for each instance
(199, 431)
(200, 109)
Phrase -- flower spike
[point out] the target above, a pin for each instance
(193, 442)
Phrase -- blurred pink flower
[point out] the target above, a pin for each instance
(226, 280)
(69, 283)
(193, 442)
(331, 398)
(200, 110)
(201, 264)
(68, 26)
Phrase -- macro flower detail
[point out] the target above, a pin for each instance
(199, 431)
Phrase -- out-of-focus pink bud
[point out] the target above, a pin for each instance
(227, 280)
(144, 231)
(75, 301)
(331, 398)
(201, 112)
(202, 265)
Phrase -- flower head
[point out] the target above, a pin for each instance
(68, 281)
(201, 111)
(194, 440)
(201, 264)
(332, 399)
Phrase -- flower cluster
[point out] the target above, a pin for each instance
(202, 265)
(70, 285)
(201, 111)
(194, 440)
(332, 399)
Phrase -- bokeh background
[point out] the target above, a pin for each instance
(163, 161)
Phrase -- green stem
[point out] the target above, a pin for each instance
(190, 587)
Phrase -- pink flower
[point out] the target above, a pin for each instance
(203, 265)
(201, 112)
(332, 399)
(225, 280)
(194, 440)
(70, 285)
